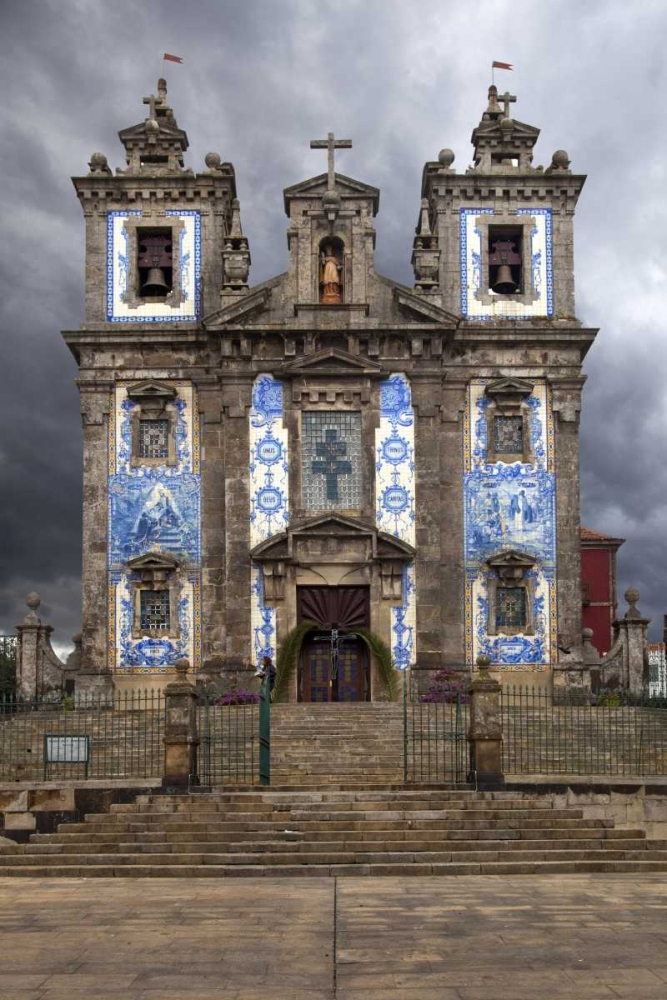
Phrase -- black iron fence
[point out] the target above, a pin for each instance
(229, 748)
(611, 737)
(111, 736)
(435, 745)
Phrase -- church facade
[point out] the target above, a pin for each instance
(330, 446)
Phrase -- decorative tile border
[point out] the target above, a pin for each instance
(510, 506)
(269, 496)
(154, 509)
(395, 500)
(541, 239)
(118, 266)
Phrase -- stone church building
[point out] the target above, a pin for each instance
(330, 445)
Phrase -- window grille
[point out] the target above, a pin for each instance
(155, 614)
(331, 460)
(510, 607)
(153, 438)
(508, 435)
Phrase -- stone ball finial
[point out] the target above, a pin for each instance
(483, 662)
(446, 158)
(560, 160)
(98, 164)
(587, 633)
(506, 123)
(33, 600)
(182, 666)
(152, 125)
(632, 595)
(213, 161)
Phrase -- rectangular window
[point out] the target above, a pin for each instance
(155, 262)
(153, 439)
(331, 460)
(155, 615)
(510, 607)
(508, 435)
(505, 255)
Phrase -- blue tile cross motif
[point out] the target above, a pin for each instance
(329, 463)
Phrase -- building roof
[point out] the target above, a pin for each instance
(588, 535)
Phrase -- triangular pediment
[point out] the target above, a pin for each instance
(509, 386)
(384, 546)
(153, 560)
(420, 306)
(331, 361)
(347, 187)
(165, 130)
(519, 129)
(511, 559)
(151, 390)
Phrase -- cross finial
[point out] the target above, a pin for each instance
(330, 143)
(507, 99)
(160, 101)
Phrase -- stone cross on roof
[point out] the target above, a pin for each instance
(330, 143)
(507, 99)
(160, 101)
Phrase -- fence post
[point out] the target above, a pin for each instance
(181, 737)
(265, 730)
(485, 731)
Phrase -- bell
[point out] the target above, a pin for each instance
(155, 283)
(504, 283)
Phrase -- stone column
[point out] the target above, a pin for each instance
(27, 666)
(485, 732)
(181, 737)
(632, 629)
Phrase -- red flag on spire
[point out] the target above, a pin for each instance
(177, 59)
(501, 65)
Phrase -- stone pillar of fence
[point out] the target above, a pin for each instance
(626, 663)
(485, 730)
(181, 736)
(39, 671)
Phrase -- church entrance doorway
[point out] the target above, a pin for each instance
(334, 664)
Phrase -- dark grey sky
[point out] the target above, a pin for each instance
(260, 79)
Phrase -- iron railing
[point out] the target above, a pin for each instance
(125, 733)
(611, 737)
(229, 748)
(434, 738)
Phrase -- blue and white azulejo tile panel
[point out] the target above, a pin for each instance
(510, 506)
(395, 499)
(473, 281)
(154, 509)
(269, 496)
(118, 271)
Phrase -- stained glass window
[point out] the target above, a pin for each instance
(510, 607)
(508, 435)
(153, 438)
(331, 460)
(155, 616)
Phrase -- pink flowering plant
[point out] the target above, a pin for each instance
(446, 686)
(238, 696)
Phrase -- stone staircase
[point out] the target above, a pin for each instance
(337, 745)
(329, 832)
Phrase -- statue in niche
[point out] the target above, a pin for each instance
(331, 268)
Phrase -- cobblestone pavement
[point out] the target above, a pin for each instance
(580, 937)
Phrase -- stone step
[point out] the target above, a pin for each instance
(328, 857)
(323, 870)
(309, 814)
(309, 848)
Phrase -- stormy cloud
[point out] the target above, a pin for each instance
(260, 78)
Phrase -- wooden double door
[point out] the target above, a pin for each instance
(334, 665)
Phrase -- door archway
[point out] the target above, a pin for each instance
(334, 662)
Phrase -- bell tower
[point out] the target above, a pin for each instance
(161, 243)
(494, 243)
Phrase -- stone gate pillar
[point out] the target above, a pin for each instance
(485, 731)
(181, 735)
